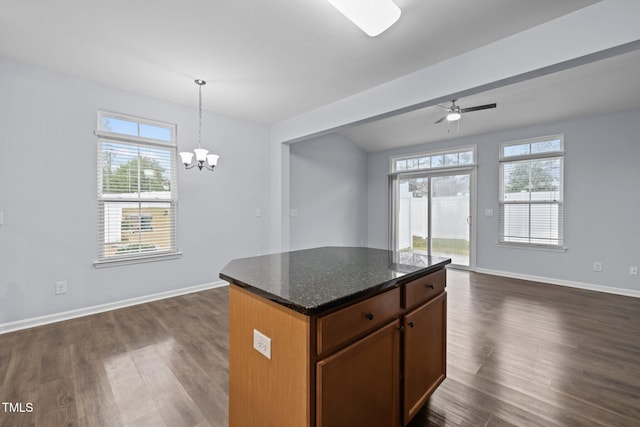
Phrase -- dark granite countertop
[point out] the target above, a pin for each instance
(312, 281)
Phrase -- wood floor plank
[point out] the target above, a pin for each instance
(174, 404)
(137, 328)
(207, 388)
(55, 361)
(95, 402)
(455, 407)
(22, 379)
(56, 404)
(7, 356)
(23, 372)
(129, 389)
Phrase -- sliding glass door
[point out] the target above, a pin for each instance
(432, 214)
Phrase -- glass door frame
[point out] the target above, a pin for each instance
(394, 191)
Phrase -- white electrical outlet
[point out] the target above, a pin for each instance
(61, 288)
(262, 343)
(633, 270)
(293, 212)
(597, 266)
(488, 212)
(258, 212)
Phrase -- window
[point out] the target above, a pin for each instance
(531, 192)
(137, 191)
(448, 159)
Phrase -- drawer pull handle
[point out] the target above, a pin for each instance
(369, 316)
(411, 324)
(430, 286)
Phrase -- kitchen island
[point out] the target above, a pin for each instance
(334, 336)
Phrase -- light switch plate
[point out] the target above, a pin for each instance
(262, 343)
(488, 212)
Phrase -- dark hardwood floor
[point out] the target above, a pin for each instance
(520, 353)
(529, 354)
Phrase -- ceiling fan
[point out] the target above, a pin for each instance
(455, 112)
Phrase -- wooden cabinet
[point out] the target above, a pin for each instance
(359, 385)
(425, 350)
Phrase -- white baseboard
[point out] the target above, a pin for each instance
(72, 314)
(559, 282)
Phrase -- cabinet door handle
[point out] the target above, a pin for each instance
(431, 286)
(411, 324)
(369, 316)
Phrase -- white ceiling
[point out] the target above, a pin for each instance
(264, 61)
(599, 87)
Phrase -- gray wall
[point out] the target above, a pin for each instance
(48, 195)
(602, 203)
(328, 187)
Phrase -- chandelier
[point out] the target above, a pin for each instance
(203, 158)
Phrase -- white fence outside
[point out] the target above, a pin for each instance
(449, 216)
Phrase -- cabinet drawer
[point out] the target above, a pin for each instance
(424, 288)
(349, 322)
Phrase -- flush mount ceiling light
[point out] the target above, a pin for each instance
(202, 155)
(371, 16)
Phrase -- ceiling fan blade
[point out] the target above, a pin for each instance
(478, 107)
(440, 120)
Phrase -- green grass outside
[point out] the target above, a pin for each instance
(450, 246)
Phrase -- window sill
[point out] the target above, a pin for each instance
(137, 260)
(542, 248)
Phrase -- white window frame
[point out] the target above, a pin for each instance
(417, 156)
(559, 202)
(471, 168)
(105, 136)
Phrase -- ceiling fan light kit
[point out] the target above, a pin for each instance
(454, 112)
(454, 116)
(371, 16)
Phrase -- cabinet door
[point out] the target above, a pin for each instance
(425, 353)
(359, 385)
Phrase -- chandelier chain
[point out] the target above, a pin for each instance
(199, 114)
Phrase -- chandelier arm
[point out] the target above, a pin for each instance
(202, 165)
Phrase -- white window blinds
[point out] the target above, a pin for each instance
(137, 188)
(532, 192)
